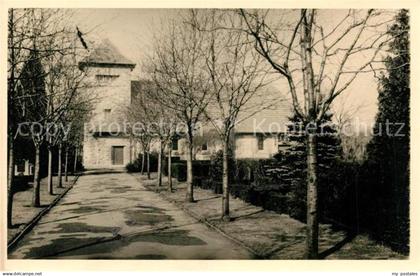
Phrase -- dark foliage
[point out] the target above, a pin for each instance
(201, 171)
(179, 171)
(388, 152)
(290, 169)
(31, 101)
(214, 181)
(279, 184)
(135, 166)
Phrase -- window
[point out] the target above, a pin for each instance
(260, 142)
(106, 78)
(107, 114)
(204, 146)
(175, 144)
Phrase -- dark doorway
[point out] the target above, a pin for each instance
(117, 155)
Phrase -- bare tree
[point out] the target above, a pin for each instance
(149, 121)
(319, 58)
(18, 55)
(38, 38)
(236, 75)
(63, 84)
(140, 119)
(25, 78)
(178, 71)
(354, 136)
(163, 127)
(76, 115)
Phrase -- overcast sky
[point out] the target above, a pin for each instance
(131, 31)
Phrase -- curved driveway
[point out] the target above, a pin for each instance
(112, 216)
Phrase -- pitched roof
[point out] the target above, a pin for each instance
(107, 54)
(269, 121)
(269, 118)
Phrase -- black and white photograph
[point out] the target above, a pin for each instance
(207, 134)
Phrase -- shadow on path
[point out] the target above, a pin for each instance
(350, 236)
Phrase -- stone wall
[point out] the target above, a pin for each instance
(246, 146)
(112, 94)
(97, 152)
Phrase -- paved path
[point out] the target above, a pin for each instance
(112, 216)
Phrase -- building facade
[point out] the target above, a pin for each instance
(107, 145)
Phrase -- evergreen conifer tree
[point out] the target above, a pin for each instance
(388, 151)
(293, 162)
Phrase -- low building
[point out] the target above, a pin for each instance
(260, 136)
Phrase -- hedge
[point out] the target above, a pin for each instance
(348, 191)
(135, 166)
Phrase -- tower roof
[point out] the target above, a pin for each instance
(106, 54)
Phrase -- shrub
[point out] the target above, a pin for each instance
(134, 166)
(201, 170)
(275, 184)
(179, 170)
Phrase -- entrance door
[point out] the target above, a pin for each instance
(117, 155)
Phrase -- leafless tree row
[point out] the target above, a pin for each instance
(319, 60)
(44, 89)
(209, 64)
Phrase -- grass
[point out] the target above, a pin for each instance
(23, 212)
(269, 234)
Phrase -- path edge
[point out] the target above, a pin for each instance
(203, 220)
(28, 227)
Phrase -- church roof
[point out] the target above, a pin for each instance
(106, 54)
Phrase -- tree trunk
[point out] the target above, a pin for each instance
(148, 165)
(308, 83)
(190, 189)
(10, 92)
(160, 159)
(312, 198)
(143, 157)
(66, 161)
(131, 150)
(170, 169)
(225, 198)
(59, 172)
(50, 176)
(75, 161)
(36, 194)
(10, 178)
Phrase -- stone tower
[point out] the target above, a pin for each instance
(106, 145)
